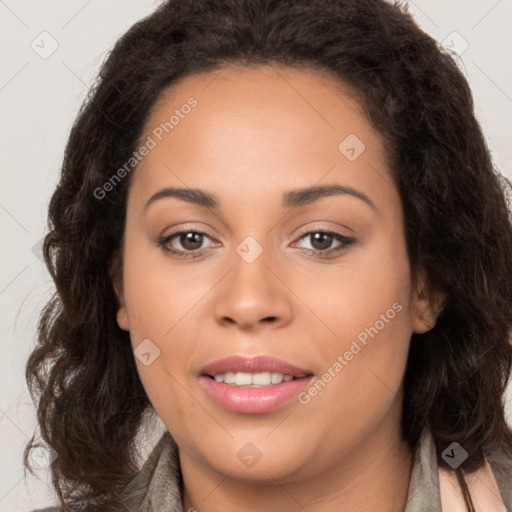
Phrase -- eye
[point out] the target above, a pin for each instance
(321, 242)
(191, 242)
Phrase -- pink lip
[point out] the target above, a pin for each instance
(253, 365)
(253, 400)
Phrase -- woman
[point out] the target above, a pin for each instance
(279, 229)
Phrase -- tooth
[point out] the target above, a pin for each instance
(261, 379)
(229, 377)
(276, 378)
(243, 379)
(252, 379)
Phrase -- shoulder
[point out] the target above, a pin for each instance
(500, 461)
(156, 484)
(489, 485)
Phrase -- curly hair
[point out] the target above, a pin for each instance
(82, 374)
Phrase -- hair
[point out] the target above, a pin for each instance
(457, 227)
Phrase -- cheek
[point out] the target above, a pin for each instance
(165, 306)
(363, 297)
(159, 293)
(363, 325)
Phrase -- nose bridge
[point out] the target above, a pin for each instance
(251, 276)
(251, 291)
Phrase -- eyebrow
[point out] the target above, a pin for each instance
(291, 199)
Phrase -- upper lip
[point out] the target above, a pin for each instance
(253, 365)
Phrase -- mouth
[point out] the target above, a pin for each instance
(257, 380)
(253, 385)
(261, 366)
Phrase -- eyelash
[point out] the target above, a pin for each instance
(345, 243)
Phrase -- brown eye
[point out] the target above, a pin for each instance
(184, 244)
(321, 242)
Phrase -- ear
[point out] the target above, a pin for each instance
(116, 277)
(427, 304)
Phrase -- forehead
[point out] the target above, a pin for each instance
(259, 127)
(269, 90)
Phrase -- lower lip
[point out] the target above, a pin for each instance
(253, 400)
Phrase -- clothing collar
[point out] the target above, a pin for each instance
(423, 495)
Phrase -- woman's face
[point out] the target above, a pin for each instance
(314, 278)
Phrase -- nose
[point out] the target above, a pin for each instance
(252, 294)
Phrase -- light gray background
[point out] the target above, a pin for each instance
(39, 99)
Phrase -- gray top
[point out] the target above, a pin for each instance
(157, 486)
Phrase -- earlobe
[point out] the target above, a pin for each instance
(117, 283)
(122, 318)
(122, 314)
(427, 305)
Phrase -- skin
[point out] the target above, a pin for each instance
(256, 133)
